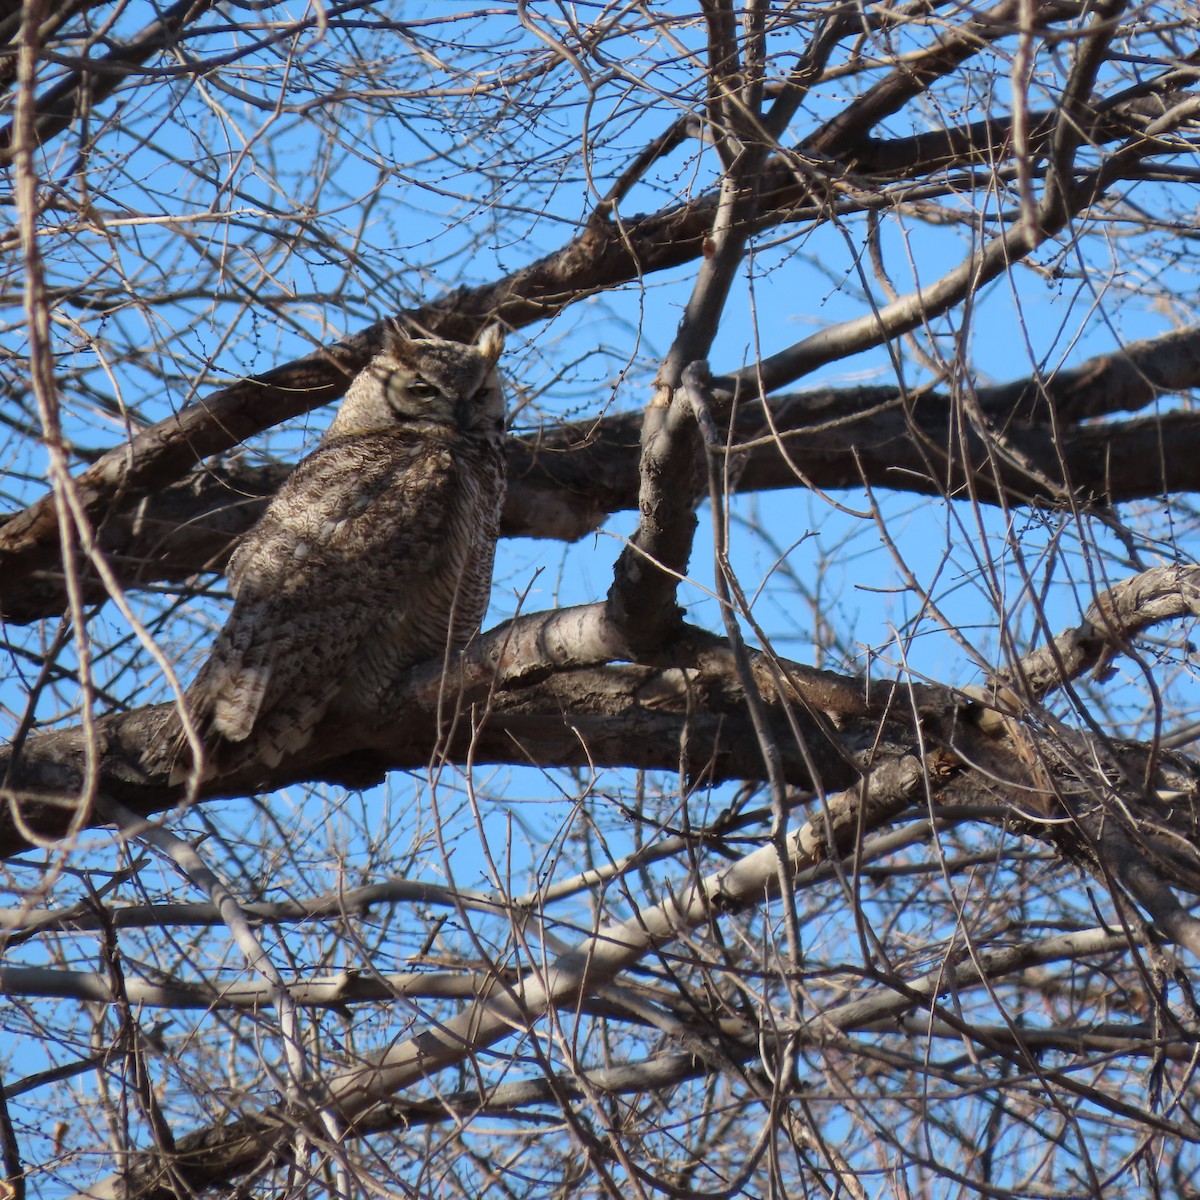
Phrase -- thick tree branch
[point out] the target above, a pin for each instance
(565, 480)
(344, 988)
(1111, 622)
(989, 142)
(521, 694)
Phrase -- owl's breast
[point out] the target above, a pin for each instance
(432, 600)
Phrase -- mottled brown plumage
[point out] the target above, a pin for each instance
(376, 554)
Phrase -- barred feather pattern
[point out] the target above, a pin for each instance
(375, 555)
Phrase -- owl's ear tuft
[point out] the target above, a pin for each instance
(490, 343)
(395, 337)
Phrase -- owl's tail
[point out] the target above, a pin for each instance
(206, 751)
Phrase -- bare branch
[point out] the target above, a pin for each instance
(1111, 623)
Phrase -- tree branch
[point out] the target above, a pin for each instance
(520, 694)
(565, 480)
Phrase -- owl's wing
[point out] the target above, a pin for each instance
(352, 530)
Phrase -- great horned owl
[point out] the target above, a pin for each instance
(376, 554)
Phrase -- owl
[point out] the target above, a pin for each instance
(376, 554)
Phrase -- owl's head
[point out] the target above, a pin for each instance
(427, 381)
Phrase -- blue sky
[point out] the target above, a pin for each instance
(329, 235)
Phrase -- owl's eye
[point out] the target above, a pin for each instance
(419, 389)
